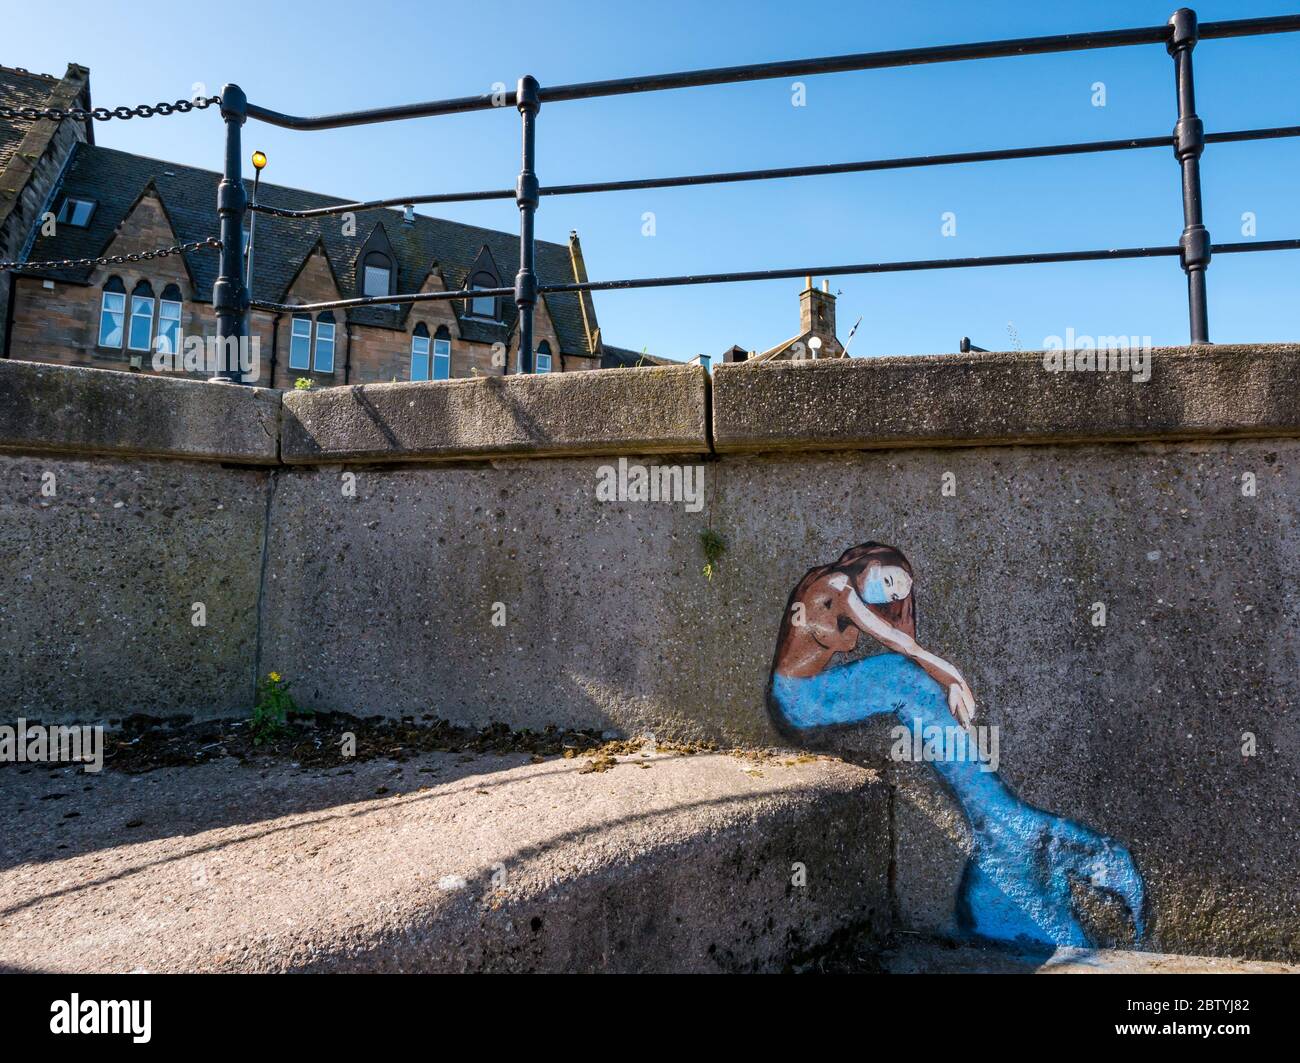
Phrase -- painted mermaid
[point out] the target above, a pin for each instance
(1017, 885)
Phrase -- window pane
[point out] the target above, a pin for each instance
(75, 212)
(169, 327)
(543, 362)
(141, 323)
(419, 357)
(300, 344)
(110, 320)
(376, 281)
(483, 306)
(324, 346)
(442, 359)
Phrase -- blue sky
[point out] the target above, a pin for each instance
(314, 58)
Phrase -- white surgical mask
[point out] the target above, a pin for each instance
(874, 592)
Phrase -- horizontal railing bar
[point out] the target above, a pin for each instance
(1271, 133)
(430, 109)
(1067, 42)
(379, 300)
(864, 268)
(907, 162)
(1045, 151)
(858, 167)
(1249, 27)
(375, 204)
(922, 264)
(787, 274)
(1255, 245)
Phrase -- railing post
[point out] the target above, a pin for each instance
(1189, 142)
(229, 296)
(526, 195)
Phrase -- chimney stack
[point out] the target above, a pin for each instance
(817, 317)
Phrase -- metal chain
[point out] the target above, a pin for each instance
(115, 260)
(103, 114)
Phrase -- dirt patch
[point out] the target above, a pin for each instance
(330, 739)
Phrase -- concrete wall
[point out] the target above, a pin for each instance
(121, 508)
(367, 556)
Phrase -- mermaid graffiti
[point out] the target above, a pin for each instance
(1017, 884)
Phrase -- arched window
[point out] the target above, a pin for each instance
(483, 305)
(442, 354)
(325, 342)
(377, 276)
(112, 314)
(140, 335)
(543, 357)
(420, 352)
(300, 342)
(169, 321)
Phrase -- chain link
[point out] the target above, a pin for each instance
(115, 260)
(103, 114)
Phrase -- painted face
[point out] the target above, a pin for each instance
(885, 583)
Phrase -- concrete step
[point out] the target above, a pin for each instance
(441, 863)
(919, 955)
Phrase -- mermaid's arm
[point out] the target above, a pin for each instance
(943, 673)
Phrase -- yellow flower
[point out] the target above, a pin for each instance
(274, 677)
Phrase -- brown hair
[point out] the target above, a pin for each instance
(857, 559)
(901, 615)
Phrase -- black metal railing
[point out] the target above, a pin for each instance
(1180, 36)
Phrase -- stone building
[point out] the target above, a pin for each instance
(99, 202)
(33, 154)
(816, 337)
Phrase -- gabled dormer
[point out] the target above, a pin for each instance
(376, 265)
(484, 274)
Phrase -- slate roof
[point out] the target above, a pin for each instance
(20, 88)
(115, 179)
(623, 358)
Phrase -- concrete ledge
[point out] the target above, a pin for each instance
(955, 400)
(608, 411)
(65, 409)
(435, 865)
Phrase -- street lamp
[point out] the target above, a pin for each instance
(259, 161)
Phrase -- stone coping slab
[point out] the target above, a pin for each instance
(981, 399)
(656, 410)
(75, 410)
